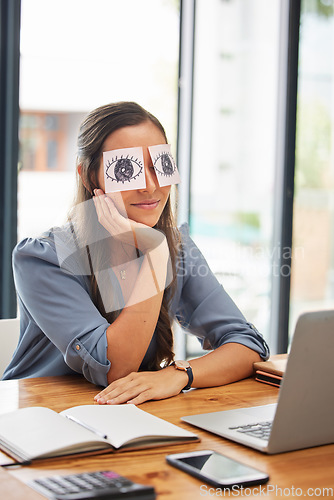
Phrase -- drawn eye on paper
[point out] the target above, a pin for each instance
(164, 165)
(124, 170)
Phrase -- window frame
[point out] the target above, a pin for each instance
(10, 20)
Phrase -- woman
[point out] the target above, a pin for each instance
(99, 295)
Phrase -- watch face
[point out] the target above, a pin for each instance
(182, 365)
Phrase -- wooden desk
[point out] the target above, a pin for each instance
(303, 469)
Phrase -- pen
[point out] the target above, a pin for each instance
(88, 427)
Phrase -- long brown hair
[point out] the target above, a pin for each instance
(94, 130)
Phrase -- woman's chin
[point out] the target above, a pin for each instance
(146, 222)
(149, 220)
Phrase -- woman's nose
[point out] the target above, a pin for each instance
(151, 180)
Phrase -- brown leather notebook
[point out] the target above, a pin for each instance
(271, 372)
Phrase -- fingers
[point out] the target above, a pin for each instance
(141, 398)
(103, 208)
(107, 213)
(131, 397)
(131, 389)
(115, 388)
(138, 387)
(111, 219)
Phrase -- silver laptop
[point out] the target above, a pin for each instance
(303, 415)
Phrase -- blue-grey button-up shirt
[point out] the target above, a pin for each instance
(62, 332)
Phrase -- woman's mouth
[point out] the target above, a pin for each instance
(146, 204)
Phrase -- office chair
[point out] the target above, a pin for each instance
(9, 336)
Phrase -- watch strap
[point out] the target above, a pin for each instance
(180, 365)
(190, 374)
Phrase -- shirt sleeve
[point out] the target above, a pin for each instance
(204, 307)
(59, 302)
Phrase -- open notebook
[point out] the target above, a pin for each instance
(303, 416)
(38, 432)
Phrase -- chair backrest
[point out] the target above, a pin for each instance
(9, 336)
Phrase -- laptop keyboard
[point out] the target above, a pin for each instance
(260, 430)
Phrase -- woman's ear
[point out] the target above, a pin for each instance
(83, 179)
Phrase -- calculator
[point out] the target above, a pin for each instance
(102, 484)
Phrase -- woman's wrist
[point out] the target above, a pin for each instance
(179, 378)
(159, 260)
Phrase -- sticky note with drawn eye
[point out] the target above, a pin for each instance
(124, 170)
(164, 165)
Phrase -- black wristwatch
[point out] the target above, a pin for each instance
(185, 366)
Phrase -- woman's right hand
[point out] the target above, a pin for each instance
(121, 227)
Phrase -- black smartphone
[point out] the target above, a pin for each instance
(217, 469)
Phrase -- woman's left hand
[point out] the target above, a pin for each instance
(138, 387)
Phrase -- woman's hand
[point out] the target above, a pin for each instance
(121, 227)
(138, 387)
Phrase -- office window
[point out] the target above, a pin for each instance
(43, 139)
(52, 154)
(28, 147)
(312, 279)
(51, 122)
(234, 147)
(77, 55)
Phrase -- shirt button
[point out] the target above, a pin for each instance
(77, 347)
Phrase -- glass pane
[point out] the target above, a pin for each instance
(233, 154)
(79, 55)
(312, 279)
(51, 122)
(52, 152)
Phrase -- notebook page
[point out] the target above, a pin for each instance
(40, 431)
(126, 423)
